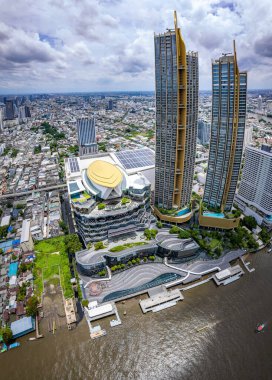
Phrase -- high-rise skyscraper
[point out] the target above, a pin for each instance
(10, 109)
(203, 131)
(110, 105)
(255, 190)
(86, 136)
(23, 112)
(260, 103)
(248, 136)
(229, 89)
(2, 111)
(176, 76)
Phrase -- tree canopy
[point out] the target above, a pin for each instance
(6, 334)
(32, 306)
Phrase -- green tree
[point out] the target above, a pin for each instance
(20, 206)
(125, 200)
(250, 222)
(264, 236)
(98, 245)
(184, 234)
(6, 334)
(159, 224)
(102, 273)
(218, 250)
(3, 231)
(72, 243)
(101, 206)
(23, 267)
(14, 152)
(150, 233)
(37, 149)
(32, 306)
(85, 303)
(64, 227)
(174, 230)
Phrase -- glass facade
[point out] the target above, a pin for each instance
(176, 78)
(229, 88)
(166, 118)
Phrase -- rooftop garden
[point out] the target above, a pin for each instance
(125, 200)
(175, 212)
(133, 262)
(120, 248)
(81, 197)
(165, 211)
(182, 234)
(228, 215)
(214, 242)
(150, 233)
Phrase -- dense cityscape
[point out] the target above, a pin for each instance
(116, 201)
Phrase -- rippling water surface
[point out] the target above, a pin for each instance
(165, 345)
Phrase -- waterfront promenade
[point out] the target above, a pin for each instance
(120, 286)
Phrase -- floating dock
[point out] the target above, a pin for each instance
(160, 299)
(229, 275)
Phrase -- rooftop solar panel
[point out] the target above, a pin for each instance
(131, 159)
(73, 163)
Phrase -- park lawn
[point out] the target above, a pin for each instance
(120, 248)
(48, 262)
(214, 243)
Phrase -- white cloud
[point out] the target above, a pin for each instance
(91, 45)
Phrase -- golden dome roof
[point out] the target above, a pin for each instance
(104, 173)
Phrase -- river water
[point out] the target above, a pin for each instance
(165, 345)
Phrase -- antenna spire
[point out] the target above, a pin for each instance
(175, 19)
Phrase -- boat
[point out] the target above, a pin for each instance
(4, 348)
(260, 327)
(14, 345)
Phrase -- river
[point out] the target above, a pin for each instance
(165, 345)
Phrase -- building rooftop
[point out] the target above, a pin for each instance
(25, 231)
(104, 174)
(22, 326)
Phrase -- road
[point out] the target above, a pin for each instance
(21, 194)
(67, 214)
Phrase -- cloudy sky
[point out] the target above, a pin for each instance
(100, 45)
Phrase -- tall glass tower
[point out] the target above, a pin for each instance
(86, 136)
(176, 76)
(229, 90)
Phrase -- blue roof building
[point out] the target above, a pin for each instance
(22, 327)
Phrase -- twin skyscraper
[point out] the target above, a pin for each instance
(176, 78)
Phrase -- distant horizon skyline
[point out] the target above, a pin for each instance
(107, 92)
(108, 45)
